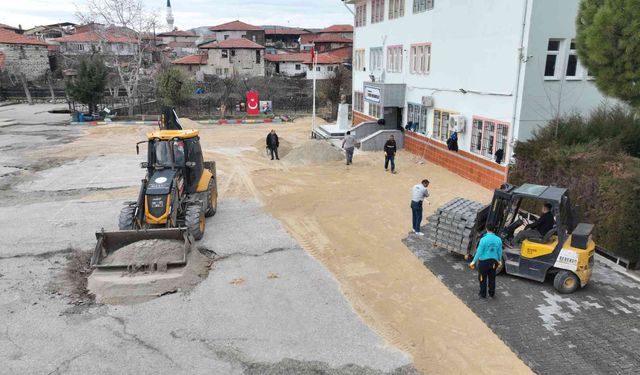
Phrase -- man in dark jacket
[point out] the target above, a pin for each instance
(539, 228)
(272, 144)
(390, 149)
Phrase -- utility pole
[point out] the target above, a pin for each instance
(313, 64)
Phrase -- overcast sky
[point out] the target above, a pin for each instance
(191, 13)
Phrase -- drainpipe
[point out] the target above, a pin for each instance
(516, 126)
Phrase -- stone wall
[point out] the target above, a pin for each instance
(31, 60)
(242, 62)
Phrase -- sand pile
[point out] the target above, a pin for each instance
(147, 252)
(283, 150)
(312, 152)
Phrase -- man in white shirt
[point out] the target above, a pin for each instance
(418, 193)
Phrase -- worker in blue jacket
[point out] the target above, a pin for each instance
(488, 258)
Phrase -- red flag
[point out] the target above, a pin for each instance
(313, 55)
(253, 107)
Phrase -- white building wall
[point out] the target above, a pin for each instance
(220, 35)
(543, 98)
(322, 72)
(289, 68)
(474, 46)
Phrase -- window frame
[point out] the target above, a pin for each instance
(417, 110)
(361, 15)
(396, 9)
(358, 101)
(423, 58)
(559, 66)
(377, 11)
(376, 55)
(378, 113)
(395, 57)
(225, 53)
(438, 135)
(420, 6)
(497, 137)
(358, 59)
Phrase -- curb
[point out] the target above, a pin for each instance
(616, 267)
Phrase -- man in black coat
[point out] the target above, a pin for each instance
(539, 228)
(272, 144)
(390, 149)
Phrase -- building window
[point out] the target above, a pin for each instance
(361, 15)
(417, 116)
(358, 60)
(572, 62)
(225, 53)
(317, 68)
(358, 101)
(226, 71)
(420, 58)
(226, 37)
(488, 136)
(552, 68)
(396, 9)
(375, 57)
(394, 58)
(330, 68)
(441, 124)
(377, 11)
(233, 52)
(218, 71)
(422, 5)
(298, 67)
(258, 57)
(375, 110)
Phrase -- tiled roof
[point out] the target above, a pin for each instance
(92, 36)
(285, 31)
(192, 60)
(8, 27)
(9, 37)
(234, 26)
(338, 29)
(342, 52)
(328, 38)
(232, 43)
(181, 45)
(178, 33)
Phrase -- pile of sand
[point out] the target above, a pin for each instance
(312, 152)
(283, 150)
(147, 252)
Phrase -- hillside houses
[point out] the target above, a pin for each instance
(234, 56)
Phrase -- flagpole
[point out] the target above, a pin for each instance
(313, 116)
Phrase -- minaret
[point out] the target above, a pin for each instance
(169, 15)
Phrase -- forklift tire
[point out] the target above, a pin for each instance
(566, 282)
(212, 202)
(125, 221)
(194, 220)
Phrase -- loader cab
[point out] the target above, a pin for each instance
(513, 208)
(179, 150)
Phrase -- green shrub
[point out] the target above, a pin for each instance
(597, 160)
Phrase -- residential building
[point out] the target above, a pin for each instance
(234, 56)
(89, 42)
(300, 64)
(48, 32)
(238, 29)
(191, 64)
(494, 70)
(335, 36)
(179, 43)
(278, 37)
(21, 54)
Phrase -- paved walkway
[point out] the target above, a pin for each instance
(593, 331)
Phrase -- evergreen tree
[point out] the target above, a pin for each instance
(609, 46)
(88, 86)
(173, 87)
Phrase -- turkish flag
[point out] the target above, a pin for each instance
(253, 104)
(313, 55)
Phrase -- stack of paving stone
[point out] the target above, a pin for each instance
(454, 224)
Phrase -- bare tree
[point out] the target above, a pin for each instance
(128, 18)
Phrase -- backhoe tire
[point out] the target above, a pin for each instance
(194, 220)
(566, 282)
(212, 198)
(125, 221)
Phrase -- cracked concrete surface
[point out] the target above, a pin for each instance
(297, 322)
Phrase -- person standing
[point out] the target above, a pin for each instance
(349, 144)
(390, 149)
(418, 193)
(488, 257)
(272, 144)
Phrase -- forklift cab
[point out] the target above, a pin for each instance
(566, 250)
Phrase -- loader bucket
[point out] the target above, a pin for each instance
(110, 242)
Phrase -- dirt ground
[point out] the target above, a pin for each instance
(352, 219)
